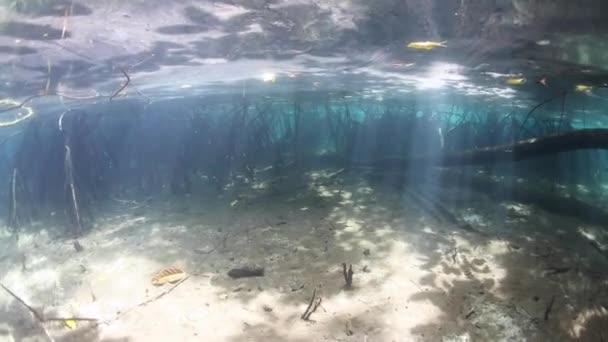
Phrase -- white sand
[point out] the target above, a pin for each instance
(423, 280)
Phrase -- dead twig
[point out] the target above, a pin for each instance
(123, 86)
(153, 299)
(314, 303)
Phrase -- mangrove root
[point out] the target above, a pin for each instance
(16, 215)
(123, 86)
(71, 191)
(348, 275)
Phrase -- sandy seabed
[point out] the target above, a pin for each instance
(505, 272)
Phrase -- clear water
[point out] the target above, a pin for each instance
(465, 182)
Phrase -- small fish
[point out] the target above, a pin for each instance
(543, 81)
(401, 65)
(583, 88)
(168, 275)
(428, 45)
(543, 42)
(516, 81)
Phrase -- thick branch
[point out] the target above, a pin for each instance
(524, 149)
(531, 148)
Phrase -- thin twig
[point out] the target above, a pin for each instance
(153, 299)
(32, 310)
(123, 86)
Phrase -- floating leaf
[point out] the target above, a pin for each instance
(168, 275)
(583, 88)
(428, 45)
(516, 81)
(70, 323)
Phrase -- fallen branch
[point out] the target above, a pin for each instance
(123, 86)
(314, 303)
(525, 149)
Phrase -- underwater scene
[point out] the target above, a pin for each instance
(303, 170)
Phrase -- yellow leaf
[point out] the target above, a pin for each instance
(428, 45)
(70, 323)
(583, 88)
(516, 81)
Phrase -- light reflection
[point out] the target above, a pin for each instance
(439, 75)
